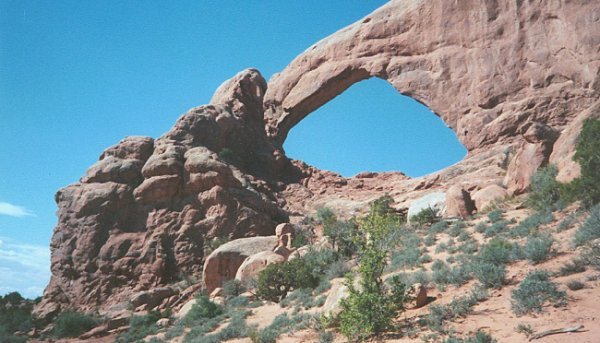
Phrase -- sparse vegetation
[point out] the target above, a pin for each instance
(575, 285)
(281, 324)
(15, 316)
(426, 216)
(495, 215)
(587, 187)
(590, 229)
(140, 327)
(538, 248)
(545, 192)
(459, 307)
(489, 274)
(534, 291)
(577, 265)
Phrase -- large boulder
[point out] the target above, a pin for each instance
(458, 202)
(256, 263)
(223, 263)
(485, 197)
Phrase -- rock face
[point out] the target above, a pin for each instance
(223, 263)
(506, 76)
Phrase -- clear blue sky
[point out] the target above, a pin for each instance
(78, 76)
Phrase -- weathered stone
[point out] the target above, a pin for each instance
(223, 263)
(458, 202)
(254, 264)
(485, 197)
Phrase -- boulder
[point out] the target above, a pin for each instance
(417, 295)
(337, 292)
(223, 263)
(256, 263)
(485, 197)
(458, 202)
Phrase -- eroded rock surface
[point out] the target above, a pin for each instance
(514, 80)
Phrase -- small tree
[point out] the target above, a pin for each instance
(370, 308)
(587, 186)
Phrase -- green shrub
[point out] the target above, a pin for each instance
(481, 227)
(425, 216)
(496, 251)
(429, 240)
(281, 324)
(459, 307)
(15, 315)
(72, 324)
(489, 274)
(496, 228)
(545, 191)
(203, 309)
(575, 266)
(531, 224)
(457, 228)
(535, 290)
(525, 329)
(587, 187)
(276, 280)
(236, 328)
(233, 288)
(590, 229)
(538, 248)
(438, 227)
(443, 275)
(495, 215)
(575, 285)
(370, 308)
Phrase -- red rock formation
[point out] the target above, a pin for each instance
(504, 75)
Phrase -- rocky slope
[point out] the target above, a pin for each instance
(514, 80)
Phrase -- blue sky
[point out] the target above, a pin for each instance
(78, 76)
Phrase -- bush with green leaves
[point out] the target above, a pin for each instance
(140, 327)
(538, 248)
(370, 307)
(15, 315)
(203, 308)
(590, 229)
(534, 291)
(587, 152)
(459, 307)
(72, 324)
(276, 280)
(426, 216)
(496, 251)
(233, 288)
(438, 227)
(489, 274)
(340, 232)
(545, 191)
(496, 228)
(443, 275)
(495, 215)
(577, 265)
(531, 224)
(282, 324)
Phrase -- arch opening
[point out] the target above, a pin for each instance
(372, 127)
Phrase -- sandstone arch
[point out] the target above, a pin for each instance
(488, 68)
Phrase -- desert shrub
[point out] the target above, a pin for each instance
(535, 290)
(281, 324)
(577, 265)
(567, 222)
(545, 191)
(591, 256)
(469, 246)
(590, 229)
(575, 285)
(441, 247)
(496, 228)
(459, 307)
(538, 248)
(419, 276)
(480, 227)
(336, 269)
(140, 327)
(73, 324)
(443, 275)
(276, 280)
(236, 328)
(303, 235)
(478, 337)
(464, 236)
(496, 251)
(203, 309)
(531, 224)
(429, 240)
(323, 286)
(525, 329)
(15, 315)
(426, 216)
(370, 308)
(233, 288)
(320, 261)
(405, 258)
(303, 298)
(495, 215)
(326, 337)
(489, 274)
(457, 228)
(438, 227)
(587, 187)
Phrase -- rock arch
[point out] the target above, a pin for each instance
(488, 68)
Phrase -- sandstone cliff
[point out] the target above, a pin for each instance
(514, 80)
